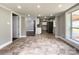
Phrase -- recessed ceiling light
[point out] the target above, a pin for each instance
(8, 23)
(45, 17)
(28, 14)
(39, 15)
(51, 15)
(19, 7)
(59, 5)
(38, 6)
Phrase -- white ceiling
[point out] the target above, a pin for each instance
(75, 12)
(45, 8)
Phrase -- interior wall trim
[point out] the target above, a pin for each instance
(5, 44)
(23, 36)
(71, 42)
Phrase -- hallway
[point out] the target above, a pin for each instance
(45, 44)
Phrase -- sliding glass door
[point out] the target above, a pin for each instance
(75, 25)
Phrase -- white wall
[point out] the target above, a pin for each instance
(60, 25)
(23, 27)
(5, 27)
(63, 26)
(30, 23)
(54, 23)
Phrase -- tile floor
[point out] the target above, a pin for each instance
(44, 44)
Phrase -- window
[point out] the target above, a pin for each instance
(75, 25)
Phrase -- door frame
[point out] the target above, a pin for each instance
(12, 25)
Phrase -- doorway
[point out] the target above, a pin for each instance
(15, 26)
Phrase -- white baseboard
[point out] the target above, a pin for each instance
(4, 45)
(22, 36)
(71, 42)
(60, 37)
